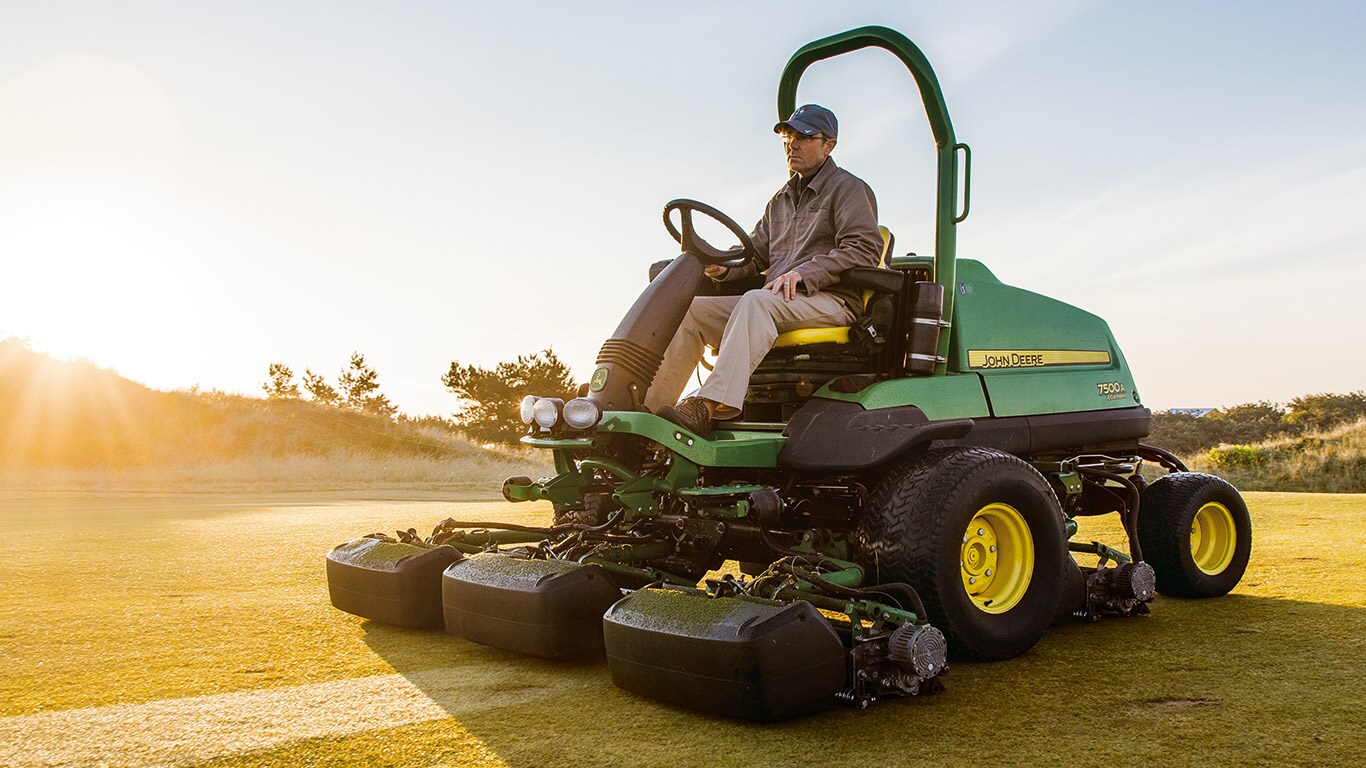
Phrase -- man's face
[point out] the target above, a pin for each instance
(806, 153)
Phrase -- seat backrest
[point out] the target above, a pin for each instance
(888, 240)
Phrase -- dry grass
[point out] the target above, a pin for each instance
(73, 426)
(480, 474)
(141, 600)
(1331, 461)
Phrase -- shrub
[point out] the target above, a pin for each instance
(1226, 456)
(1332, 461)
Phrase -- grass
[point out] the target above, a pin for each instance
(480, 474)
(1332, 460)
(116, 603)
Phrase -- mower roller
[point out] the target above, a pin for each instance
(895, 494)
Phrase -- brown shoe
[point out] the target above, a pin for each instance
(723, 412)
(692, 414)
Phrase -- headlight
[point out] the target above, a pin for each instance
(581, 413)
(547, 411)
(528, 406)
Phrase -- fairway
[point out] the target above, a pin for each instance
(146, 629)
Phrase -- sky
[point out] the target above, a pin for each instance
(190, 191)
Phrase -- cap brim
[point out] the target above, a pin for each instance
(796, 125)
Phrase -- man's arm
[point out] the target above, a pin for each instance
(760, 238)
(857, 241)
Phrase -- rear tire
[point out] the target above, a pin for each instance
(1196, 533)
(979, 534)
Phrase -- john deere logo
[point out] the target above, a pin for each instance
(598, 381)
(1035, 358)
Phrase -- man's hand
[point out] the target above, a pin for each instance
(716, 271)
(785, 285)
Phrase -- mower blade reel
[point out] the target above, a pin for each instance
(389, 582)
(736, 657)
(546, 608)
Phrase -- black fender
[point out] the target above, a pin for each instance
(840, 436)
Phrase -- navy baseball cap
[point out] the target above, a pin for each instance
(810, 119)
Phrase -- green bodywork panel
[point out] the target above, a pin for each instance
(1012, 352)
(952, 396)
(1035, 355)
(726, 448)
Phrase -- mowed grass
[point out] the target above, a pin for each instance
(118, 609)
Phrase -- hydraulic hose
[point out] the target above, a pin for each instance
(814, 558)
(1131, 519)
(450, 524)
(906, 591)
(1166, 458)
(612, 520)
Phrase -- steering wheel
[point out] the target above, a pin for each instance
(692, 242)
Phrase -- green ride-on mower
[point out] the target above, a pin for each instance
(896, 493)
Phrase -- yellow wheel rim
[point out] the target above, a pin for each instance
(1213, 538)
(997, 559)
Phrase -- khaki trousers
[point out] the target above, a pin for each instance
(742, 329)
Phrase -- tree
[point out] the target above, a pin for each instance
(1238, 424)
(1180, 433)
(358, 386)
(491, 396)
(319, 389)
(280, 383)
(1247, 423)
(1324, 411)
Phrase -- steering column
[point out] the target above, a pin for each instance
(631, 357)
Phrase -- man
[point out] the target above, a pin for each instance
(822, 222)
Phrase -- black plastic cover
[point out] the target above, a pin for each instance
(547, 608)
(737, 657)
(1062, 433)
(839, 436)
(389, 582)
(926, 308)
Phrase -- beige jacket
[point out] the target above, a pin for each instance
(820, 229)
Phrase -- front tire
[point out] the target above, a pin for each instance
(979, 534)
(1196, 533)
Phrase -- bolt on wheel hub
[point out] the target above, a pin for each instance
(997, 558)
(1213, 538)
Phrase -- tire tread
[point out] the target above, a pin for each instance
(904, 522)
(1164, 533)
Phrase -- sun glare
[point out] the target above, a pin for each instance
(90, 154)
(64, 411)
